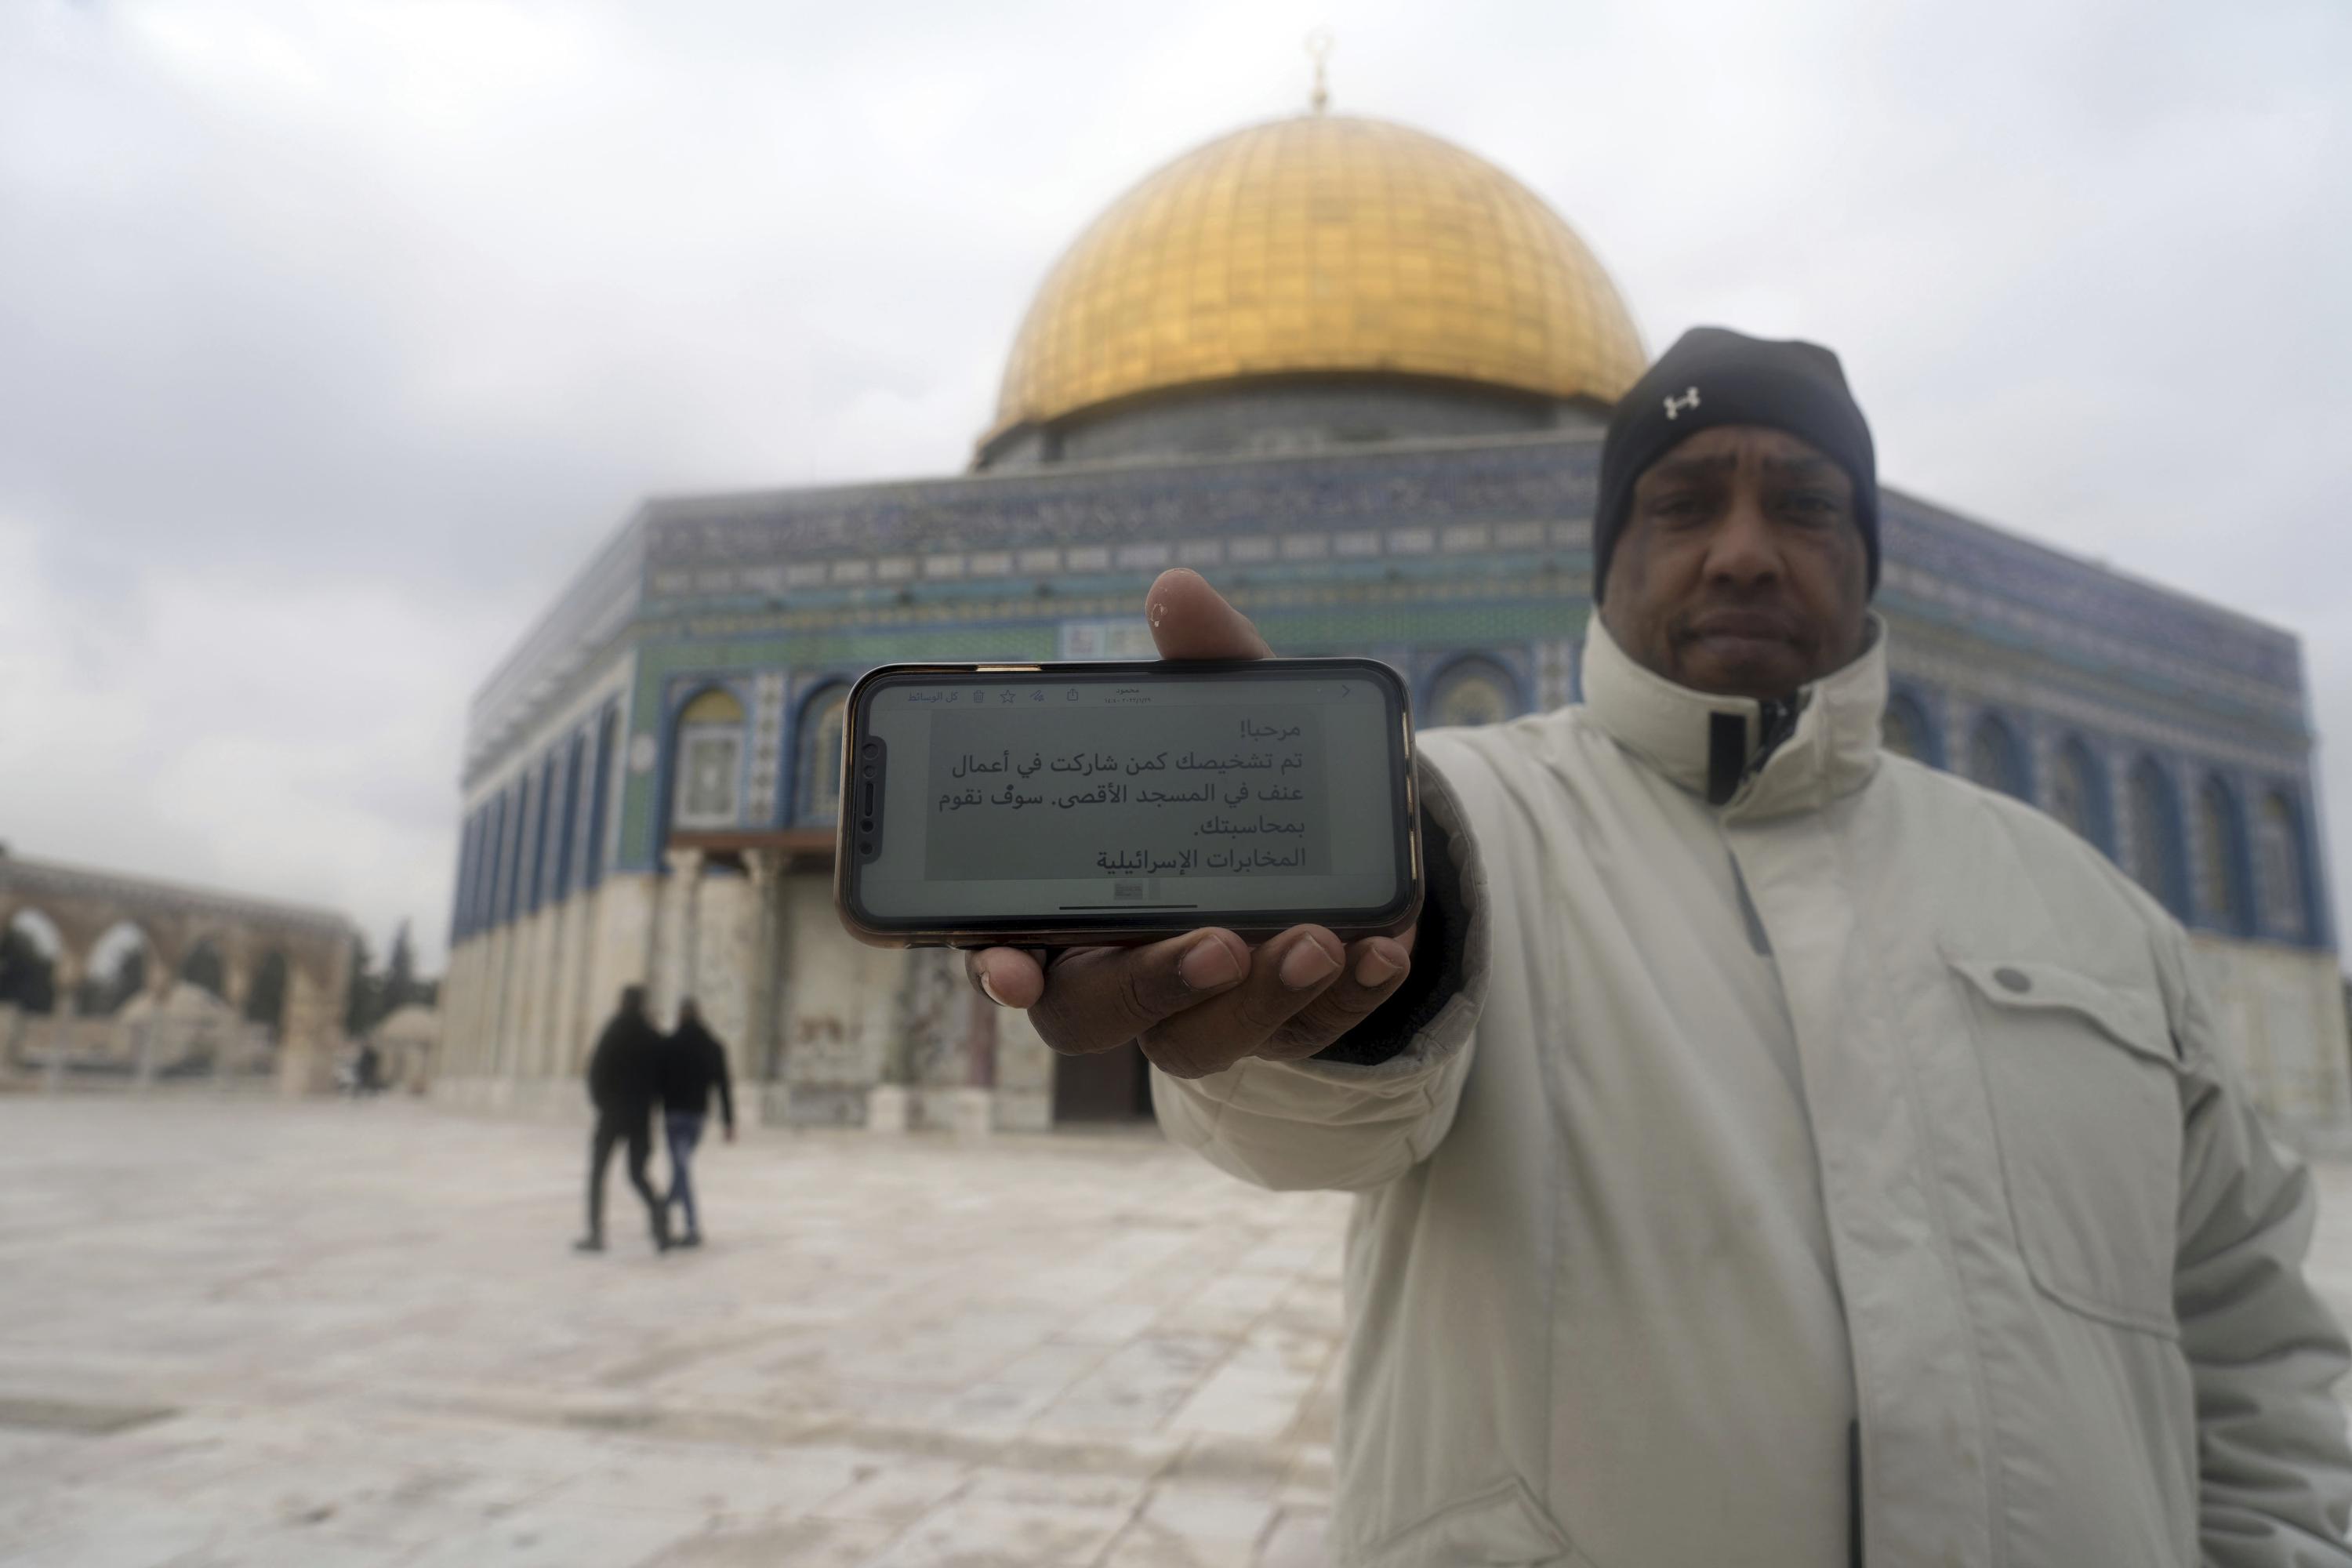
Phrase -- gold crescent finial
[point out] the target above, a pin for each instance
(1319, 44)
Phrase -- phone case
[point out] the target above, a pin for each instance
(1111, 930)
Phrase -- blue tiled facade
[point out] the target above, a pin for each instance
(1463, 561)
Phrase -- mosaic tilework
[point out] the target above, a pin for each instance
(767, 743)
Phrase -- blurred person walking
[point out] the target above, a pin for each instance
(621, 1085)
(692, 1065)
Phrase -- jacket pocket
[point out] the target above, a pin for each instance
(2087, 1107)
(1501, 1525)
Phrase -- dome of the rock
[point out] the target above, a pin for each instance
(1317, 246)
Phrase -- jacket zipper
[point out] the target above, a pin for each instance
(1731, 767)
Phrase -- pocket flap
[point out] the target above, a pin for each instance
(2135, 1022)
(1504, 1524)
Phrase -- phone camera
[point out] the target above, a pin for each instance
(866, 847)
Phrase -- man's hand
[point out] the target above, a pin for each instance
(1200, 1002)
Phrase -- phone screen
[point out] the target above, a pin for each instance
(1079, 794)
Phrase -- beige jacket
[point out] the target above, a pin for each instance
(1861, 1148)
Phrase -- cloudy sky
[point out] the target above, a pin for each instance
(334, 335)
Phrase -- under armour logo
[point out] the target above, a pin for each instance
(1677, 406)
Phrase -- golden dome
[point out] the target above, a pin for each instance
(1321, 244)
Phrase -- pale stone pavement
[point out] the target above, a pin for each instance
(330, 1335)
(339, 1336)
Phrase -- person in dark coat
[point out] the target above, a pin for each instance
(692, 1065)
(622, 1086)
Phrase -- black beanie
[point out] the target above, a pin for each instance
(1715, 376)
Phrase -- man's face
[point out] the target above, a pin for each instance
(1741, 570)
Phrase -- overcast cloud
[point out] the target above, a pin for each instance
(333, 336)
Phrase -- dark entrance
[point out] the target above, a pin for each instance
(1110, 1086)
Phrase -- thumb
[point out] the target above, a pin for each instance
(1191, 620)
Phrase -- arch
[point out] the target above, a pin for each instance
(1905, 729)
(2077, 793)
(264, 992)
(1473, 689)
(2152, 846)
(30, 944)
(2221, 858)
(120, 964)
(817, 732)
(707, 756)
(2283, 867)
(1996, 757)
(205, 966)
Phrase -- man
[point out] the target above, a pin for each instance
(621, 1086)
(692, 1065)
(1769, 1151)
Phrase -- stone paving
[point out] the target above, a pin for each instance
(344, 1336)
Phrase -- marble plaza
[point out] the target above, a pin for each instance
(326, 1336)
(249, 1331)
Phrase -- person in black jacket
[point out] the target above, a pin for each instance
(622, 1086)
(692, 1065)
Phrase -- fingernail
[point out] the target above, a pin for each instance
(1307, 964)
(988, 986)
(1376, 968)
(1208, 966)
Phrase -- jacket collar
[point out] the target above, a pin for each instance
(1832, 750)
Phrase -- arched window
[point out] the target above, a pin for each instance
(1473, 692)
(567, 841)
(708, 782)
(1903, 730)
(2151, 853)
(816, 772)
(2278, 852)
(2077, 796)
(2220, 889)
(1995, 759)
(592, 851)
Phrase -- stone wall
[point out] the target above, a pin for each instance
(838, 1011)
(2280, 1013)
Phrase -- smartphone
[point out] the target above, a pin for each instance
(1065, 805)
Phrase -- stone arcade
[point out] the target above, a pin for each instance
(1357, 376)
(174, 924)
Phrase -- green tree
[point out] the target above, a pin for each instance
(360, 1009)
(400, 986)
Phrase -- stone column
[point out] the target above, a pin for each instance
(673, 965)
(159, 982)
(65, 1012)
(237, 985)
(313, 1009)
(760, 1046)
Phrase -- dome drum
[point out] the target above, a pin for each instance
(1273, 415)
